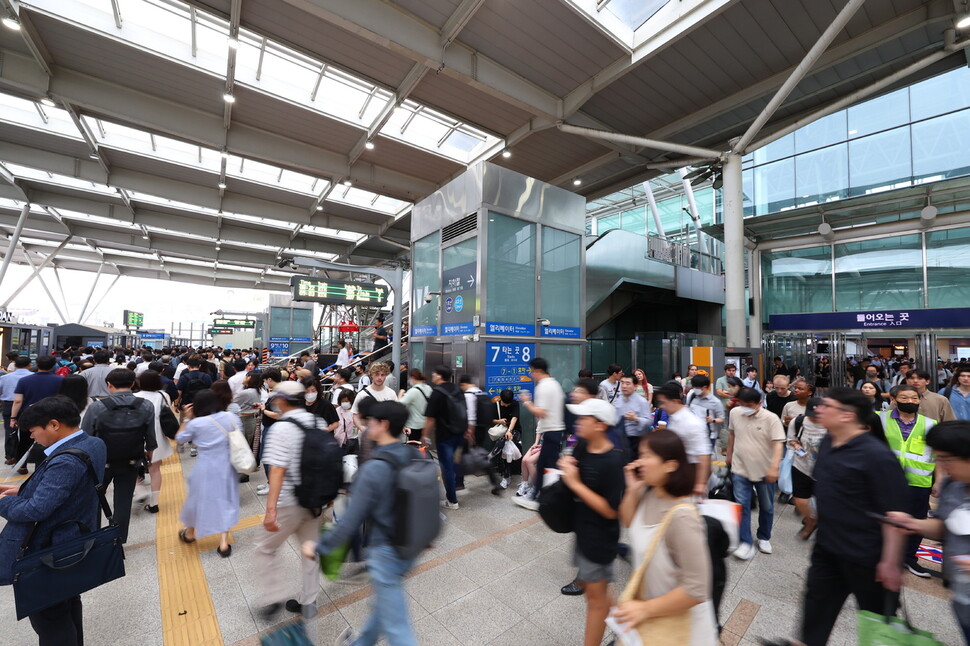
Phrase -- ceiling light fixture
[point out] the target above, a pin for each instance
(506, 154)
(228, 97)
(233, 43)
(319, 207)
(11, 23)
(48, 102)
(962, 23)
(347, 182)
(224, 154)
(577, 181)
(369, 145)
(218, 247)
(222, 185)
(144, 237)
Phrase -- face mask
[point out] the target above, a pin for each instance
(311, 397)
(907, 408)
(345, 405)
(698, 392)
(748, 411)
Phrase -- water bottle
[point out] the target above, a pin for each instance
(570, 445)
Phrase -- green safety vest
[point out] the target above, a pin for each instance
(915, 457)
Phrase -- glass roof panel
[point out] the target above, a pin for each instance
(633, 13)
(420, 126)
(158, 146)
(60, 180)
(22, 112)
(264, 173)
(368, 200)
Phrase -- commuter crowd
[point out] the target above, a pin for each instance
(353, 454)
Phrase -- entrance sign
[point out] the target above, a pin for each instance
(458, 297)
(889, 319)
(507, 366)
(339, 292)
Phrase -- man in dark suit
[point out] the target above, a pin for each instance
(60, 490)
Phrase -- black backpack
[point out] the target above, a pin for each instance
(192, 386)
(321, 469)
(122, 428)
(457, 422)
(484, 412)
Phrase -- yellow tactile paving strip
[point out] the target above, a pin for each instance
(188, 616)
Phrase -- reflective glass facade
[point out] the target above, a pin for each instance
(916, 135)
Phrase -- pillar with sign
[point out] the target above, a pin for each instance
(498, 265)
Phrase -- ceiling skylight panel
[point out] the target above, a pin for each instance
(271, 175)
(161, 147)
(633, 13)
(22, 112)
(366, 199)
(421, 126)
(60, 180)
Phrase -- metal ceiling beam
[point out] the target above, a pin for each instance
(14, 240)
(94, 286)
(458, 19)
(44, 285)
(100, 300)
(801, 71)
(591, 165)
(47, 260)
(414, 76)
(668, 146)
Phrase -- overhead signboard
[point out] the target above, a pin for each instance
(134, 319)
(458, 299)
(245, 323)
(877, 318)
(220, 330)
(507, 367)
(339, 292)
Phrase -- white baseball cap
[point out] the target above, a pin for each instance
(595, 407)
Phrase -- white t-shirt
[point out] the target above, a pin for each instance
(236, 382)
(693, 433)
(334, 399)
(343, 358)
(385, 394)
(141, 367)
(550, 398)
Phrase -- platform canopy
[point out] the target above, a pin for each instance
(206, 140)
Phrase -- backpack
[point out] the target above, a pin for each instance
(121, 427)
(193, 386)
(417, 520)
(321, 469)
(799, 424)
(483, 412)
(64, 368)
(457, 413)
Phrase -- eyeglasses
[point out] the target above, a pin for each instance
(822, 404)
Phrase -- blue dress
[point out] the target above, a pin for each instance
(212, 503)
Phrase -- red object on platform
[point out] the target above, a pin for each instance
(348, 327)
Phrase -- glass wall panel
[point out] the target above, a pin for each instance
(879, 162)
(885, 273)
(425, 279)
(747, 187)
(818, 134)
(774, 186)
(948, 267)
(878, 114)
(564, 363)
(705, 205)
(784, 147)
(941, 94)
(608, 223)
(511, 280)
(941, 147)
(822, 175)
(634, 220)
(797, 281)
(561, 277)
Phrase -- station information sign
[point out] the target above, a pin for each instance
(134, 319)
(507, 366)
(340, 292)
(246, 323)
(220, 330)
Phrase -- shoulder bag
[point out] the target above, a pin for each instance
(498, 431)
(55, 573)
(240, 453)
(672, 630)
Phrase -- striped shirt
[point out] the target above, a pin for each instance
(284, 448)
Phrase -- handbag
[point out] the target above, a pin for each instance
(874, 629)
(240, 455)
(672, 630)
(498, 431)
(784, 471)
(168, 422)
(55, 573)
(556, 507)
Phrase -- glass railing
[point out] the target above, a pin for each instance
(682, 254)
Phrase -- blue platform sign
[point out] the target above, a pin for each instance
(279, 348)
(152, 335)
(560, 332)
(953, 317)
(507, 366)
(452, 329)
(424, 330)
(280, 338)
(300, 339)
(510, 329)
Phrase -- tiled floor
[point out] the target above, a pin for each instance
(493, 578)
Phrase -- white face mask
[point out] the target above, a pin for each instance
(345, 405)
(748, 411)
(311, 397)
(698, 392)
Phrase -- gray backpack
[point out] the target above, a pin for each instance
(417, 497)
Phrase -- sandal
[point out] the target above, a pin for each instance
(183, 537)
(225, 554)
(802, 535)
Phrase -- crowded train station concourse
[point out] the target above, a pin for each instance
(467, 322)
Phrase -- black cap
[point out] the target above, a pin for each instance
(810, 406)
(394, 412)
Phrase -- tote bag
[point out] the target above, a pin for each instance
(240, 454)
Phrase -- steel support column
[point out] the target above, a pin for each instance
(734, 303)
(754, 286)
(36, 271)
(91, 293)
(642, 142)
(101, 300)
(652, 202)
(44, 285)
(14, 241)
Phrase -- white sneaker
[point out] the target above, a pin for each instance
(527, 502)
(449, 505)
(764, 547)
(193, 452)
(262, 490)
(744, 552)
(504, 484)
(523, 489)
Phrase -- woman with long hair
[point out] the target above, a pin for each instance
(150, 388)
(666, 529)
(872, 391)
(212, 503)
(644, 387)
(315, 401)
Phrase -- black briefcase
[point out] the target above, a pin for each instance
(47, 576)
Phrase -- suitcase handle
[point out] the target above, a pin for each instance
(48, 559)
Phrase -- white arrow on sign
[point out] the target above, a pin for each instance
(471, 281)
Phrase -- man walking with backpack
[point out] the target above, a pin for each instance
(126, 425)
(191, 381)
(447, 416)
(480, 411)
(374, 501)
(304, 471)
